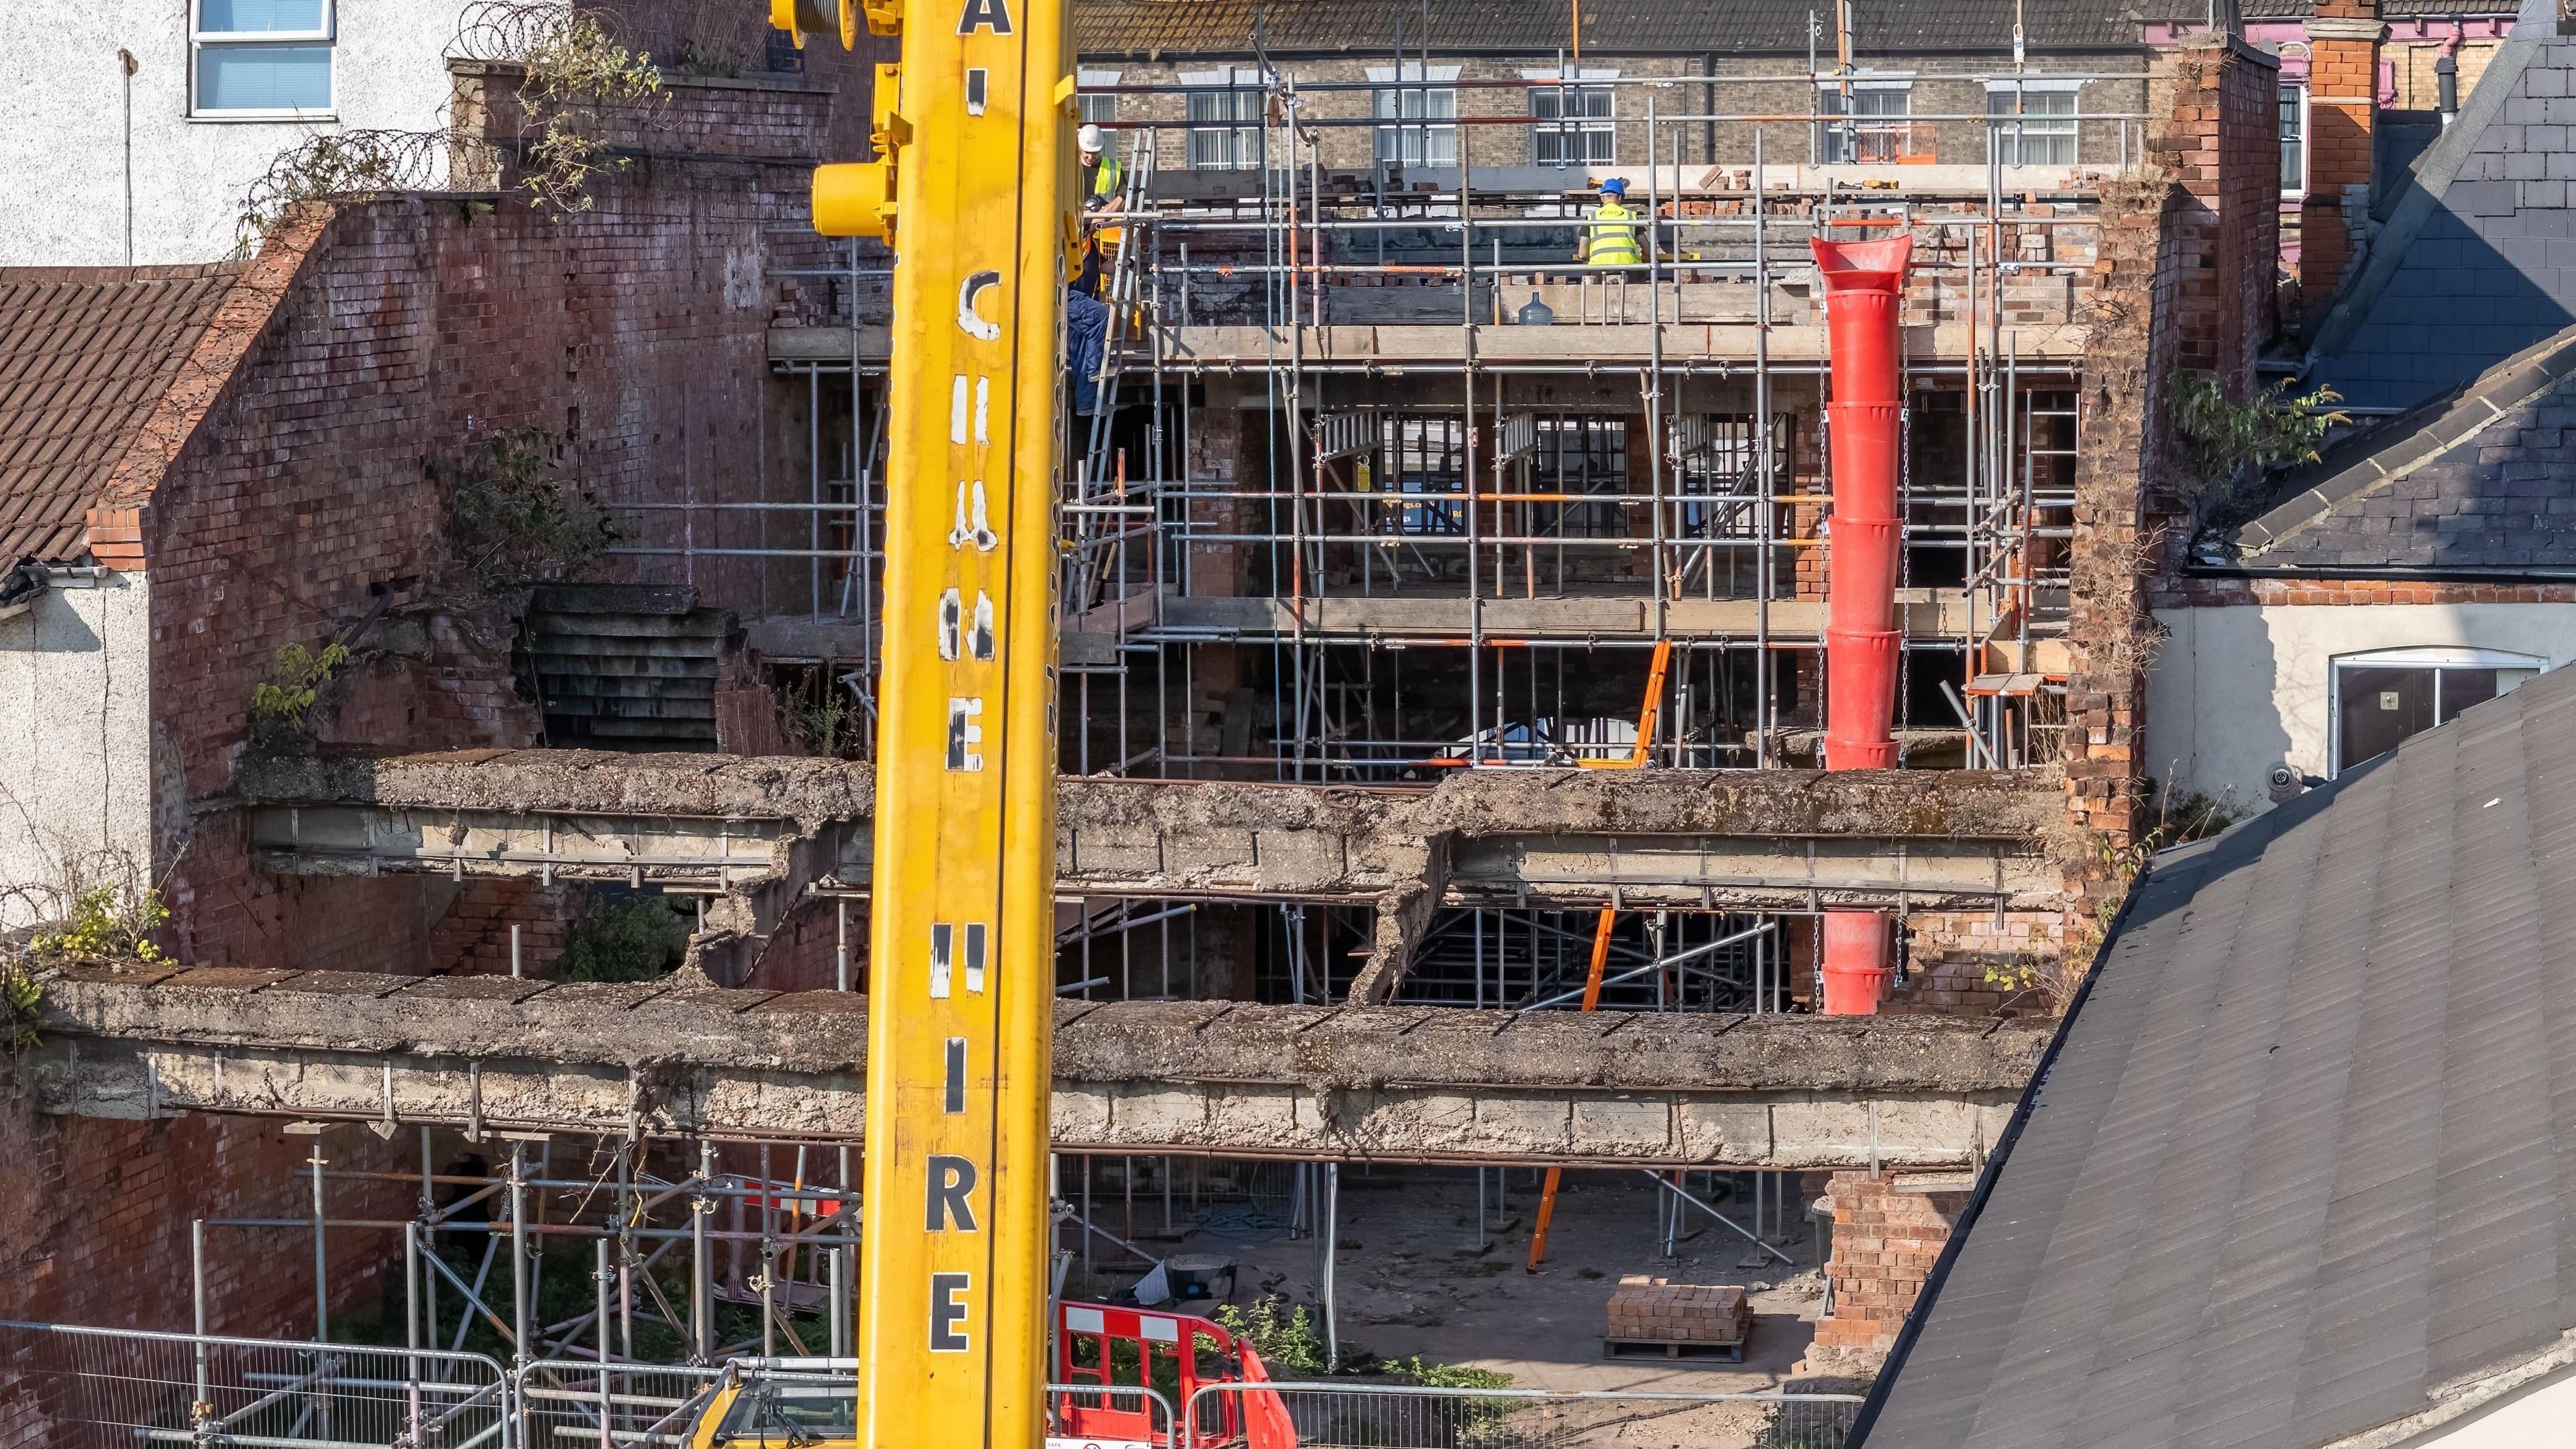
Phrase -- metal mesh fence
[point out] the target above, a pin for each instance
(1386, 1417)
(91, 1388)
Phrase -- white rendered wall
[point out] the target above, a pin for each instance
(2240, 689)
(75, 731)
(62, 145)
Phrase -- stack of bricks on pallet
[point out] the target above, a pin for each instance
(1657, 1310)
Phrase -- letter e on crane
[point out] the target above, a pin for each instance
(947, 1315)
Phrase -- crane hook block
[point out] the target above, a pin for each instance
(854, 198)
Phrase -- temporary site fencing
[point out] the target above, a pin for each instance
(76, 1387)
(73, 1387)
(1388, 1416)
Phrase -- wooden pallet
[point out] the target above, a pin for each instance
(1673, 1348)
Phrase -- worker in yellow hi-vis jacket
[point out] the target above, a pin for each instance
(1609, 239)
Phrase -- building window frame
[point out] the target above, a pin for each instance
(1588, 138)
(2291, 120)
(1425, 135)
(205, 44)
(1091, 109)
(2344, 675)
(1224, 109)
(2017, 135)
(1878, 127)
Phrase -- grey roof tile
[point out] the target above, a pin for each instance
(2308, 1148)
(2465, 484)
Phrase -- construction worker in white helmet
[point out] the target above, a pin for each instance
(1102, 187)
(1609, 239)
(1103, 175)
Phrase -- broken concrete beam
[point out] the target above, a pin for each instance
(1423, 1084)
(1772, 839)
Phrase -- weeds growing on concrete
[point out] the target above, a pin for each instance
(98, 908)
(822, 716)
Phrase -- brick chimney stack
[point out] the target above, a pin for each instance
(2343, 93)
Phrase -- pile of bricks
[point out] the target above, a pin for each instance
(1657, 1310)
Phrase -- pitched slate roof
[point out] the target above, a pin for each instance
(1541, 27)
(85, 352)
(2306, 1151)
(2475, 262)
(2484, 480)
(2388, 9)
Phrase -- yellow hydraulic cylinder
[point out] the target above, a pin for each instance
(961, 974)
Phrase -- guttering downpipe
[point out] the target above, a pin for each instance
(1864, 293)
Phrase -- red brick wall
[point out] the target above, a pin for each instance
(400, 331)
(94, 1229)
(1885, 1243)
(2218, 593)
(1950, 956)
(2221, 145)
(2343, 86)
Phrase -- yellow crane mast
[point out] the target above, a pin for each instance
(970, 187)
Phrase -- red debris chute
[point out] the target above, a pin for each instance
(1864, 288)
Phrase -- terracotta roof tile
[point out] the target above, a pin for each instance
(84, 354)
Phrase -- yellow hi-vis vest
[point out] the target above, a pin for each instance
(1613, 240)
(1110, 178)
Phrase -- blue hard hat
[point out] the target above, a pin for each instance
(1616, 186)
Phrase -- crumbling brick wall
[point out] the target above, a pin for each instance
(289, 499)
(2185, 262)
(1969, 963)
(1885, 1241)
(2220, 144)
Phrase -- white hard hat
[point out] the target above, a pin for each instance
(1091, 140)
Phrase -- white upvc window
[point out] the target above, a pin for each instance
(1872, 126)
(1225, 114)
(1097, 110)
(2382, 697)
(2293, 126)
(2036, 120)
(1419, 102)
(252, 60)
(1573, 124)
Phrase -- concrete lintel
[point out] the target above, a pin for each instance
(1421, 1084)
(1773, 839)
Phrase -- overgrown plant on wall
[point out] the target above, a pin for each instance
(98, 908)
(2221, 437)
(512, 519)
(576, 74)
(282, 705)
(821, 714)
(348, 163)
